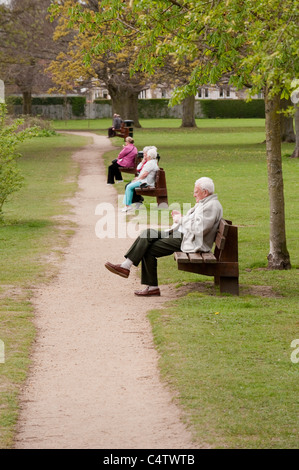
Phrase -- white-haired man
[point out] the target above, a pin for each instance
(190, 233)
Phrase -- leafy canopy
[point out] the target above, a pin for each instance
(251, 42)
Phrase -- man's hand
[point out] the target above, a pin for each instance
(176, 216)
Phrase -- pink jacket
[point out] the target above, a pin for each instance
(127, 156)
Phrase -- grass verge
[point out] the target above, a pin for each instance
(29, 232)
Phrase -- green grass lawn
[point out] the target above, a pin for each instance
(227, 358)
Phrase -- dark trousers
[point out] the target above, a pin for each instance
(113, 172)
(150, 245)
(111, 132)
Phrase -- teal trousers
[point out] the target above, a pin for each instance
(150, 245)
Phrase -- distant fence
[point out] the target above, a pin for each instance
(156, 108)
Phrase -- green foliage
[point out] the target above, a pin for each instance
(157, 108)
(14, 100)
(10, 176)
(18, 100)
(253, 43)
(154, 108)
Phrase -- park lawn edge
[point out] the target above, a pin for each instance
(51, 234)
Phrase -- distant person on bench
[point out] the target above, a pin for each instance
(137, 198)
(125, 159)
(189, 233)
(147, 176)
(117, 122)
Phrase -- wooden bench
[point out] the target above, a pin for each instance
(125, 130)
(122, 132)
(159, 191)
(222, 264)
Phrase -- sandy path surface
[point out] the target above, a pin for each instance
(94, 381)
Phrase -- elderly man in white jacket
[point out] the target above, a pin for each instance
(193, 232)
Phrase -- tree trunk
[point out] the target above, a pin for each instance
(188, 119)
(278, 257)
(125, 103)
(27, 102)
(295, 154)
(286, 123)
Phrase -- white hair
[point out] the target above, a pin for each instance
(206, 183)
(152, 153)
(146, 149)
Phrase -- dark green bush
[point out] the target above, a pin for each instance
(77, 102)
(78, 105)
(153, 108)
(156, 108)
(233, 108)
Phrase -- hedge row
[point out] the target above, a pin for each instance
(77, 102)
(233, 108)
(155, 108)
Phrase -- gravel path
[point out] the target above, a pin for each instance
(94, 381)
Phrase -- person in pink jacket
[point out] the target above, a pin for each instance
(126, 159)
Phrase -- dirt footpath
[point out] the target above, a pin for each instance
(94, 381)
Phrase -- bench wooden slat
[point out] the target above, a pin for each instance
(181, 257)
(220, 241)
(196, 257)
(151, 191)
(209, 257)
(223, 227)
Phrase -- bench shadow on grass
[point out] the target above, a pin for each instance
(209, 288)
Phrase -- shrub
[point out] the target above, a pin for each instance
(10, 135)
(233, 108)
(77, 102)
(78, 105)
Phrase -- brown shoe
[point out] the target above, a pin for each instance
(117, 269)
(147, 292)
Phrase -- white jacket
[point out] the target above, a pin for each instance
(200, 224)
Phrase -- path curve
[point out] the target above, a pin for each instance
(94, 381)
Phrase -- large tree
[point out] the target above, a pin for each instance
(26, 47)
(253, 42)
(78, 62)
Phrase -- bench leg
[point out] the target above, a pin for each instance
(229, 285)
(162, 200)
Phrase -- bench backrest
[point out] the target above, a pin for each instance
(160, 181)
(123, 131)
(226, 241)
